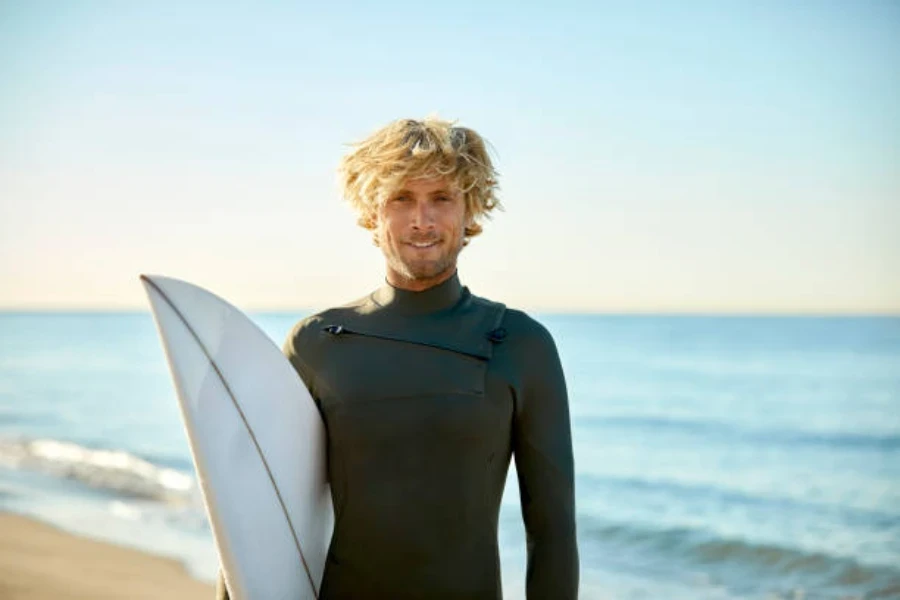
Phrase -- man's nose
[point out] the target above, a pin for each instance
(423, 215)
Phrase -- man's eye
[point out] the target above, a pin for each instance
(399, 198)
(443, 198)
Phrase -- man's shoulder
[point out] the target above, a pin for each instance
(525, 327)
(519, 325)
(308, 328)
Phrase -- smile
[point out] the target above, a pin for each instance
(423, 244)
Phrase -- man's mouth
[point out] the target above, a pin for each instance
(423, 244)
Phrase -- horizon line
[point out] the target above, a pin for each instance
(80, 310)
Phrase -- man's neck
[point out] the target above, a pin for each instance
(418, 285)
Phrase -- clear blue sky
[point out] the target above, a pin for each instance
(673, 156)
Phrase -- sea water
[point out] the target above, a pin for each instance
(716, 457)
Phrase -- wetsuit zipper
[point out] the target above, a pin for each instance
(337, 330)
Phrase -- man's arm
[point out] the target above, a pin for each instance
(542, 443)
(293, 348)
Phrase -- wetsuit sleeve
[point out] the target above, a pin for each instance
(292, 349)
(544, 462)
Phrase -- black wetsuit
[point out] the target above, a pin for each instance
(425, 396)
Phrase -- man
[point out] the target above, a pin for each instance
(427, 391)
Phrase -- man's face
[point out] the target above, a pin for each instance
(421, 228)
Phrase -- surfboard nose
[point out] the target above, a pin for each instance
(150, 278)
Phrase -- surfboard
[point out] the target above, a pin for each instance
(257, 441)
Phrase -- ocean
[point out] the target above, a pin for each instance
(716, 457)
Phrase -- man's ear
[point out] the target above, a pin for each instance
(468, 224)
(371, 222)
(375, 239)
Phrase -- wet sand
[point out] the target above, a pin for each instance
(41, 562)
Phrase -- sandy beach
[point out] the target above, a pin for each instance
(40, 562)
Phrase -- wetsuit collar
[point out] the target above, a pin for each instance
(434, 299)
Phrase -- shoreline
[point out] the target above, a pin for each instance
(39, 561)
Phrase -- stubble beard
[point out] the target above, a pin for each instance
(425, 269)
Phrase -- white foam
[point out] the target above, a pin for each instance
(113, 470)
(124, 511)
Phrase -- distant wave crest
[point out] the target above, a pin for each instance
(115, 471)
(768, 562)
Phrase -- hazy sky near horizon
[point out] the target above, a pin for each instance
(671, 156)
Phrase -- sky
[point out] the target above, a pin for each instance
(675, 157)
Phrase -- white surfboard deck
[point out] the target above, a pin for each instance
(257, 441)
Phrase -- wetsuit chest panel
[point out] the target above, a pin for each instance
(406, 423)
(408, 405)
(366, 367)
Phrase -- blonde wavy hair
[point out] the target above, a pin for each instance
(408, 149)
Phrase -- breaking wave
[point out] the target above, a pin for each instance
(115, 471)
